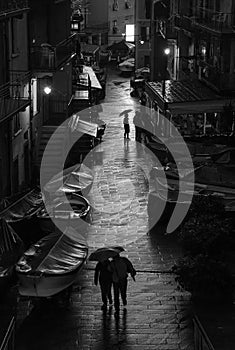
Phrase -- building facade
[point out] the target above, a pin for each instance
(15, 91)
(142, 33)
(121, 20)
(52, 49)
(205, 44)
(193, 84)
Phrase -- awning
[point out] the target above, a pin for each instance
(77, 124)
(94, 81)
(187, 96)
(89, 48)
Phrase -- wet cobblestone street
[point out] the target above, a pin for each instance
(158, 313)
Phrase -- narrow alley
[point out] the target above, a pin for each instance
(158, 312)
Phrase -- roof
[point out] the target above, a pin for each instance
(121, 45)
(187, 96)
(89, 48)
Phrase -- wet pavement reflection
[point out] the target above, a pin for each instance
(158, 312)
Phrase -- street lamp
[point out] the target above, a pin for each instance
(47, 90)
(166, 53)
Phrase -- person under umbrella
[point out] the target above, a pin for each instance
(126, 126)
(103, 272)
(120, 268)
(104, 276)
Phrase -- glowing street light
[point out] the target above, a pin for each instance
(47, 90)
(167, 51)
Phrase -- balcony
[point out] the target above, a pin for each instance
(214, 77)
(48, 58)
(8, 7)
(216, 21)
(183, 22)
(14, 95)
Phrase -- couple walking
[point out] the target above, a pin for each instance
(114, 273)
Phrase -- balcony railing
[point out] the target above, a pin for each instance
(7, 6)
(212, 75)
(184, 22)
(49, 58)
(218, 21)
(14, 95)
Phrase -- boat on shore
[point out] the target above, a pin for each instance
(52, 264)
(70, 211)
(20, 214)
(11, 248)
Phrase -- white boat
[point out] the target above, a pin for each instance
(52, 264)
(127, 65)
(68, 211)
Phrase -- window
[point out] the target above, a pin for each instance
(127, 4)
(115, 5)
(34, 96)
(16, 123)
(13, 23)
(130, 32)
(144, 33)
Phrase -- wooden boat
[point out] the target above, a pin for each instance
(11, 248)
(75, 179)
(67, 212)
(52, 264)
(20, 214)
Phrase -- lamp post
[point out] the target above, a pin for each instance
(166, 53)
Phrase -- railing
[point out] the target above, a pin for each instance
(11, 6)
(9, 338)
(48, 57)
(14, 95)
(218, 21)
(182, 22)
(209, 73)
(201, 340)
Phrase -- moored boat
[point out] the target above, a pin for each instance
(11, 248)
(52, 264)
(20, 214)
(68, 211)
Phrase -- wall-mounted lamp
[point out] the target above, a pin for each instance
(167, 51)
(47, 90)
(141, 42)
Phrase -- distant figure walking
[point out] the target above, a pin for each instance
(104, 276)
(120, 267)
(126, 126)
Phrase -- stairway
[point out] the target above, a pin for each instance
(54, 153)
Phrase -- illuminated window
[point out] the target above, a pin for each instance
(130, 32)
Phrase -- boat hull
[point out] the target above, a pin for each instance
(45, 285)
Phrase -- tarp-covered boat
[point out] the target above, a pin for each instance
(21, 213)
(24, 207)
(52, 264)
(11, 248)
(77, 178)
(70, 210)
